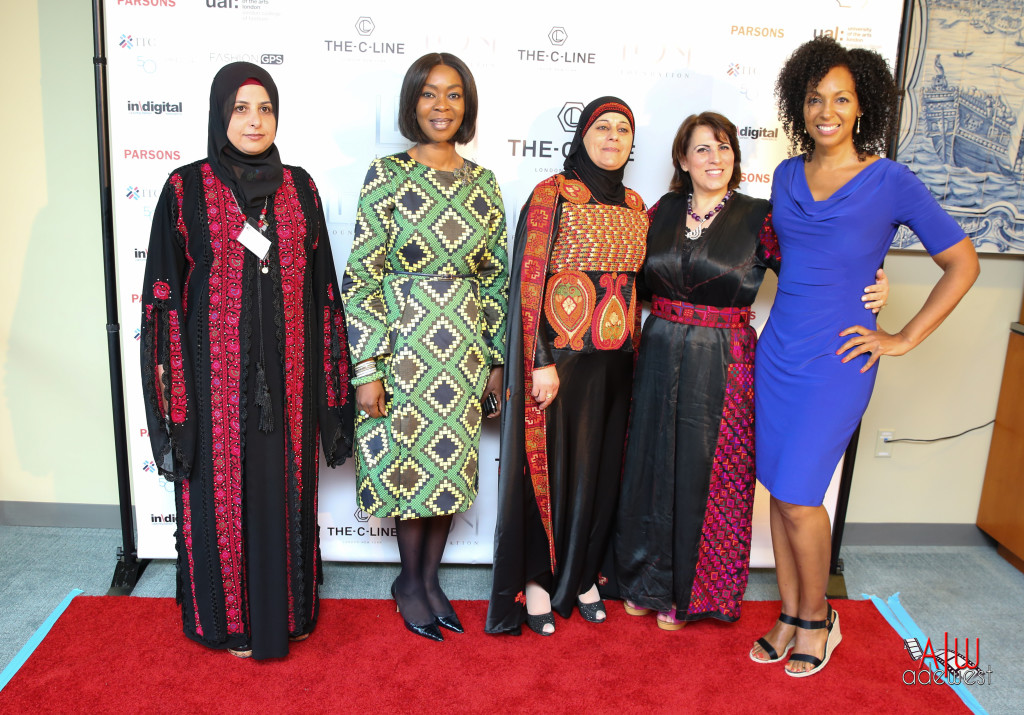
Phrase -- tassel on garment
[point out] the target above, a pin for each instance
(263, 400)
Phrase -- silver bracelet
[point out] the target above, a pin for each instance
(366, 368)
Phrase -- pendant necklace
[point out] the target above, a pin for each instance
(262, 223)
(462, 174)
(694, 233)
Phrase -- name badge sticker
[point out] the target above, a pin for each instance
(254, 241)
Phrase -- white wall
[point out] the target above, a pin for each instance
(56, 442)
(946, 385)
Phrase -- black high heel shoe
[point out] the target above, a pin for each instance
(451, 622)
(429, 630)
(537, 623)
(589, 611)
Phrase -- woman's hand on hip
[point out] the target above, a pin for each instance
(877, 342)
(370, 399)
(545, 385)
(876, 296)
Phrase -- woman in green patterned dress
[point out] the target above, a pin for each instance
(426, 289)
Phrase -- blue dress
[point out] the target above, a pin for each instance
(808, 403)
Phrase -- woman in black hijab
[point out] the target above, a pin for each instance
(573, 326)
(244, 364)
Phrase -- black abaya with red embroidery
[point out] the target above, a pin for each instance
(227, 335)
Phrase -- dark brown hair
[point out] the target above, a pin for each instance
(412, 86)
(723, 129)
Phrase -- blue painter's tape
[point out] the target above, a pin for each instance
(35, 640)
(894, 612)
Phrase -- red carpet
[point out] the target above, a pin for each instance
(122, 655)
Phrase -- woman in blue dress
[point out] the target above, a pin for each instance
(835, 208)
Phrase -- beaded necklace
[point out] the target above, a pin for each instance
(694, 233)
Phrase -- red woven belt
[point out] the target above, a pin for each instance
(707, 316)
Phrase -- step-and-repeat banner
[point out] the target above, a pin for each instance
(339, 67)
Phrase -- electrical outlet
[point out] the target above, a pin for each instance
(882, 446)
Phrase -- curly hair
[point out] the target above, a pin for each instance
(412, 86)
(877, 93)
(722, 128)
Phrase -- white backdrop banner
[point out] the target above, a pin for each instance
(339, 67)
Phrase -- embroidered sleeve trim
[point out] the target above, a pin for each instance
(540, 222)
(291, 234)
(332, 393)
(179, 195)
(769, 240)
(179, 396)
(186, 537)
(339, 344)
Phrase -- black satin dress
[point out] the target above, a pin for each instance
(682, 535)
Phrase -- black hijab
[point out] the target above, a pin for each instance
(251, 176)
(606, 186)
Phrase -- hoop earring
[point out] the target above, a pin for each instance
(856, 129)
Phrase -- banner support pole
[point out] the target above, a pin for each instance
(128, 567)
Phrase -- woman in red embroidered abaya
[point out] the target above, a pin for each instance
(573, 323)
(244, 369)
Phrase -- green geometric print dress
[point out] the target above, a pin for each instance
(425, 291)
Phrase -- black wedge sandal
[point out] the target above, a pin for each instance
(774, 657)
(831, 622)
